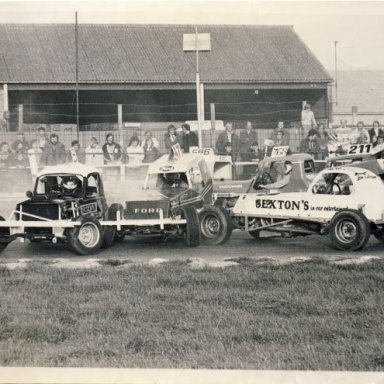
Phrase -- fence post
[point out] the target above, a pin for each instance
(20, 113)
(213, 120)
(120, 123)
(354, 115)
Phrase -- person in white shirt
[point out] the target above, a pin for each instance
(308, 120)
(359, 135)
(135, 152)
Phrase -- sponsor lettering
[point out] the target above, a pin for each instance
(291, 205)
(147, 210)
(87, 208)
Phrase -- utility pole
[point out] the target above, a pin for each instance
(77, 79)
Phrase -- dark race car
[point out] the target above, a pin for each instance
(66, 205)
(176, 200)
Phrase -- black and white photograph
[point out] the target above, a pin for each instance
(191, 192)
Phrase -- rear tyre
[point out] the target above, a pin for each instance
(86, 238)
(191, 235)
(379, 234)
(349, 230)
(110, 232)
(215, 225)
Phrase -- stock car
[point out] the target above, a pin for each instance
(344, 202)
(226, 192)
(176, 200)
(66, 205)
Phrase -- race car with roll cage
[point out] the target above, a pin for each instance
(344, 202)
(361, 156)
(176, 200)
(226, 192)
(66, 205)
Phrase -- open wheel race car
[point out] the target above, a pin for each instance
(344, 202)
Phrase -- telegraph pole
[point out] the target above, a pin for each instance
(77, 79)
(336, 71)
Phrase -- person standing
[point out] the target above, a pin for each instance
(375, 132)
(285, 137)
(308, 120)
(189, 138)
(359, 135)
(111, 150)
(228, 136)
(42, 139)
(247, 136)
(171, 138)
(311, 144)
(135, 152)
(151, 147)
(54, 151)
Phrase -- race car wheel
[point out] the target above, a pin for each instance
(191, 235)
(4, 241)
(215, 225)
(110, 232)
(349, 230)
(379, 234)
(87, 237)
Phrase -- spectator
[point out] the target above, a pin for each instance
(75, 154)
(323, 138)
(94, 146)
(20, 159)
(247, 137)
(135, 152)
(35, 152)
(266, 151)
(189, 138)
(5, 155)
(21, 143)
(343, 124)
(359, 135)
(308, 120)
(280, 142)
(54, 151)
(42, 139)
(286, 135)
(228, 151)
(228, 136)
(171, 138)
(151, 147)
(111, 150)
(375, 132)
(311, 144)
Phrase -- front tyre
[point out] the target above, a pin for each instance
(215, 225)
(349, 230)
(4, 241)
(110, 233)
(191, 235)
(86, 238)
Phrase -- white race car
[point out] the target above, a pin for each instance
(345, 202)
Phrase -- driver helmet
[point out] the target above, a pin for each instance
(70, 182)
(172, 176)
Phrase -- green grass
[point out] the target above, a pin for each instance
(308, 315)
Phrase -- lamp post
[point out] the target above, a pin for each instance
(197, 42)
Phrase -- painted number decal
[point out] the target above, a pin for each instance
(279, 151)
(356, 149)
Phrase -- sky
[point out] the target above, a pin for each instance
(357, 26)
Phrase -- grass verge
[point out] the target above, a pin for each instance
(309, 315)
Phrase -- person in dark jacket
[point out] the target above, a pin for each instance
(111, 150)
(189, 138)
(54, 151)
(171, 138)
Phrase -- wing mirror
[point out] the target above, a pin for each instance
(29, 194)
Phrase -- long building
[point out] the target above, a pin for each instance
(257, 73)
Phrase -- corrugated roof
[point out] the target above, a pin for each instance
(153, 53)
(364, 89)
